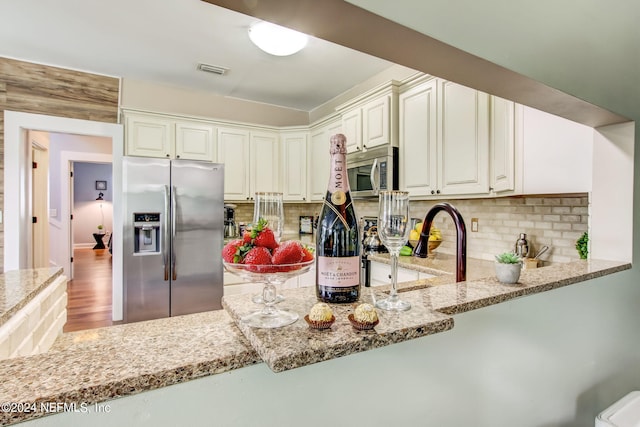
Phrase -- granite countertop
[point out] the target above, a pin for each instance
(297, 345)
(441, 265)
(101, 364)
(18, 287)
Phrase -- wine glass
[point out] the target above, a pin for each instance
(393, 229)
(268, 206)
(271, 275)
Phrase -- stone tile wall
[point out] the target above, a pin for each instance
(553, 220)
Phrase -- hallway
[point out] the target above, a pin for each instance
(89, 293)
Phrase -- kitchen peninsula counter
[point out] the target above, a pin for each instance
(19, 287)
(32, 310)
(102, 364)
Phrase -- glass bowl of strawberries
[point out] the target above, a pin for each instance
(259, 258)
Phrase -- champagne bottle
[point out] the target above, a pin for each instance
(337, 236)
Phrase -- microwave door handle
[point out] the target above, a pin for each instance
(374, 169)
(165, 234)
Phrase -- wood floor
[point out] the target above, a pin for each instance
(89, 293)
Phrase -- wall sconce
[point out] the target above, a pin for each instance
(100, 194)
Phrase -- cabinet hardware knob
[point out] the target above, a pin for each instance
(438, 192)
(177, 157)
(433, 192)
(167, 155)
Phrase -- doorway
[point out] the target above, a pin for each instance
(17, 206)
(89, 291)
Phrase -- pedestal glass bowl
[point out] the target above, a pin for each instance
(271, 275)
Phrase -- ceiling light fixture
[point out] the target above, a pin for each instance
(277, 40)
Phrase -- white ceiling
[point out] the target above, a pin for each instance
(163, 41)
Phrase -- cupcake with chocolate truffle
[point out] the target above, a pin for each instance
(320, 316)
(365, 317)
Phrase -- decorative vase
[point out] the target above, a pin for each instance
(508, 273)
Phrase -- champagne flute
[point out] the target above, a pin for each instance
(268, 206)
(393, 229)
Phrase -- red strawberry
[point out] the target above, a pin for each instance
(289, 252)
(246, 236)
(265, 238)
(307, 254)
(230, 250)
(258, 257)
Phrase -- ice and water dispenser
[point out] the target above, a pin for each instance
(146, 229)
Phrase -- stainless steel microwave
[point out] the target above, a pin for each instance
(373, 170)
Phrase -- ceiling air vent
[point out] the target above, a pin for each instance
(214, 69)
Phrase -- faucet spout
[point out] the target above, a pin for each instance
(422, 248)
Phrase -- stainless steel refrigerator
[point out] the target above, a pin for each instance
(173, 236)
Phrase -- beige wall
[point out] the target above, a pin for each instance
(158, 98)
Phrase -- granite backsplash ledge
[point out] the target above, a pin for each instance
(553, 220)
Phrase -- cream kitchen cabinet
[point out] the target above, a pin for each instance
(380, 274)
(233, 151)
(463, 141)
(444, 139)
(265, 164)
(195, 141)
(250, 162)
(418, 161)
(319, 158)
(352, 130)
(160, 136)
(371, 120)
(503, 146)
(294, 165)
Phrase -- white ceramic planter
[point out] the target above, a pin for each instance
(508, 273)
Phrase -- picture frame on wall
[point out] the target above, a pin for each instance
(101, 185)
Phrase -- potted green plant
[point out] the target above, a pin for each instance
(508, 267)
(582, 245)
(100, 228)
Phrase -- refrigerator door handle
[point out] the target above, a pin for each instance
(165, 232)
(174, 213)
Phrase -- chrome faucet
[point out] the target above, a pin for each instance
(422, 248)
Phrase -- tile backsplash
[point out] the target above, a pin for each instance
(553, 220)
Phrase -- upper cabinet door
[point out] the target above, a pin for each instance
(233, 151)
(294, 166)
(265, 167)
(375, 123)
(352, 130)
(149, 136)
(503, 142)
(320, 159)
(464, 140)
(418, 139)
(195, 141)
